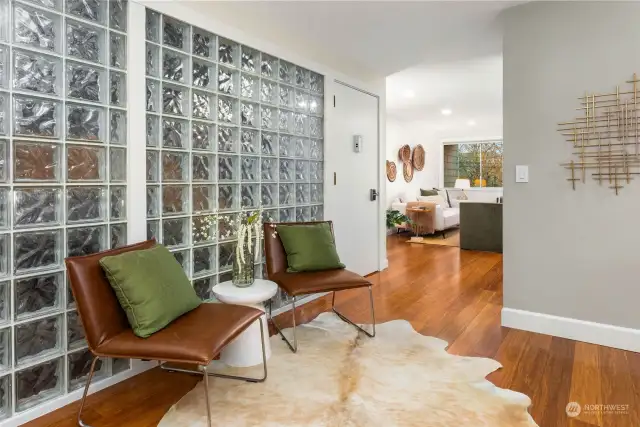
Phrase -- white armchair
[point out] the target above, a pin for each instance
(445, 216)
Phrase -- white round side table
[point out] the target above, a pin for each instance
(246, 350)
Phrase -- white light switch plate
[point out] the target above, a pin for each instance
(522, 173)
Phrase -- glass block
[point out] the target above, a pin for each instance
(204, 43)
(118, 233)
(268, 66)
(269, 195)
(92, 10)
(228, 52)
(228, 168)
(174, 66)
(316, 82)
(286, 72)
(120, 365)
(302, 194)
(153, 230)
(174, 133)
(268, 118)
(203, 198)
(226, 276)
(228, 198)
(5, 301)
(249, 114)
(118, 203)
(203, 287)
(85, 163)
(37, 295)
(175, 199)
(4, 113)
(204, 229)
(228, 139)
(286, 194)
(153, 168)
(285, 121)
(269, 92)
(227, 226)
(4, 59)
(86, 240)
(175, 33)
(86, 204)
(153, 201)
(118, 127)
(4, 254)
(85, 42)
(174, 100)
(36, 251)
(35, 117)
(316, 105)
(201, 135)
(153, 60)
(38, 384)
(153, 96)
(153, 26)
(249, 168)
(316, 193)
(316, 213)
(286, 170)
(249, 59)
(78, 367)
(249, 86)
(183, 259)
(287, 215)
(269, 143)
(4, 208)
(36, 72)
(117, 164)
(117, 50)
(301, 77)
(75, 331)
(301, 102)
(316, 127)
(249, 141)
(203, 167)
(203, 74)
(227, 253)
(316, 172)
(35, 161)
(227, 110)
(36, 28)
(303, 214)
(201, 104)
(302, 171)
(204, 260)
(228, 81)
(175, 232)
(268, 169)
(4, 160)
(5, 349)
(117, 88)
(270, 215)
(85, 123)
(153, 128)
(250, 196)
(286, 96)
(300, 147)
(301, 124)
(175, 166)
(316, 149)
(37, 339)
(36, 207)
(118, 14)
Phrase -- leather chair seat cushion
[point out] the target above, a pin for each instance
(196, 337)
(319, 281)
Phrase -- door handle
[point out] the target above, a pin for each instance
(373, 194)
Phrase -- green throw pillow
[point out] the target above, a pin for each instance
(151, 287)
(309, 247)
(428, 192)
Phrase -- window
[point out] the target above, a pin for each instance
(480, 162)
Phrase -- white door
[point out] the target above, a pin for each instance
(356, 221)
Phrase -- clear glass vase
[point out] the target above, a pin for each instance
(243, 274)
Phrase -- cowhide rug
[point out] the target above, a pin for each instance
(342, 378)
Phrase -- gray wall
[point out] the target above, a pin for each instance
(567, 253)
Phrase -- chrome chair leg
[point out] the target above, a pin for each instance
(231, 377)
(294, 347)
(343, 317)
(206, 394)
(86, 391)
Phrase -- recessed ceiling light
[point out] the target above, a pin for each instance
(471, 122)
(446, 112)
(409, 94)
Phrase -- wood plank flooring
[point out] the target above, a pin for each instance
(444, 292)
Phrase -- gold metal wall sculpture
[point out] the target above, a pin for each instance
(606, 140)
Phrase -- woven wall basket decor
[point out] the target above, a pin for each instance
(404, 154)
(418, 157)
(392, 171)
(407, 171)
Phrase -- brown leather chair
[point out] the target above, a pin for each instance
(301, 284)
(193, 338)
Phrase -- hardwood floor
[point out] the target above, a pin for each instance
(444, 292)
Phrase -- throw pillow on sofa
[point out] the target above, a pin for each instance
(437, 199)
(424, 192)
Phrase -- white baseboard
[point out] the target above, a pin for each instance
(578, 330)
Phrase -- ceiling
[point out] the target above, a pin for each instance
(370, 38)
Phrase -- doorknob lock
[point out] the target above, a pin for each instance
(374, 194)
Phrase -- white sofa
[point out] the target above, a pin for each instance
(446, 217)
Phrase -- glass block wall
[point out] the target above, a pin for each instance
(229, 129)
(63, 118)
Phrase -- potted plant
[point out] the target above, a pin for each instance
(395, 218)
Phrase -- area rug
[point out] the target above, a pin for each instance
(342, 378)
(452, 238)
